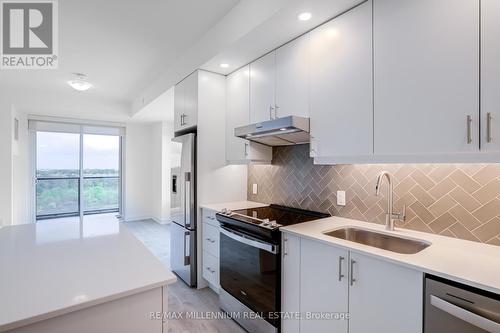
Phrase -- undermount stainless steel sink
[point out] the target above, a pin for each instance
(379, 240)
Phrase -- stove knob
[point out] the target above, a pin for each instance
(274, 224)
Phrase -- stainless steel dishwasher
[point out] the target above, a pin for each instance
(451, 307)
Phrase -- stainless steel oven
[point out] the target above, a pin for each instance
(249, 275)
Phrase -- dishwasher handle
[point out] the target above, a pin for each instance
(465, 315)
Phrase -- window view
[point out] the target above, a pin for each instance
(101, 167)
(57, 161)
(58, 189)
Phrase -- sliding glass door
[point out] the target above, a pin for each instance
(77, 171)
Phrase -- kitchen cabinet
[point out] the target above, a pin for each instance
(375, 295)
(292, 78)
(426, 77)
(323, 287)
(290, 279)
(238, 114)
(341, 86)
(490, 75)
(210, 248)
(186, 103)
(384, 297)
(262, 88)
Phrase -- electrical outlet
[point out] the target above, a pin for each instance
(341, 198)
(254, 188)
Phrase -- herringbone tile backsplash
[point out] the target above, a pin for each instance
(456, 200)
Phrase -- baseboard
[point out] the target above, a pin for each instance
(135, 219)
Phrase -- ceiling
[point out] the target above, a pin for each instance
(134, 51)
(121, 45)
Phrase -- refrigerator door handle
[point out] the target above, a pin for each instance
(187, 199)
(187, 259)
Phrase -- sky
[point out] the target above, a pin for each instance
(61, 151)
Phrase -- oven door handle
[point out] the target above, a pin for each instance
(248, 240)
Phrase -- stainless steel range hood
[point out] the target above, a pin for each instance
(284, 131)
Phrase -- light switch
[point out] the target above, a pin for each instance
(254, 188)
(341, 198)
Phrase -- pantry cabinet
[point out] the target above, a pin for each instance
(320, 278)
(292, 78)
(238, 114)
(186, 103)
(490, 75)
(426, 77)
(341, 86)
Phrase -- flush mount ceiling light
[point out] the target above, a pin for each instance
(80, 82)
(304, 16)
(224, 65)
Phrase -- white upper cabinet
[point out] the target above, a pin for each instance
(238, 114)
(490, 75)
(262, 87)
(186, 103)
(426, 56)
(341, 86)
(384, 297)
(323, 286)
(292, 78)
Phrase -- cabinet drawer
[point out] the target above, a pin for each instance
(208, 216)
(211, 239)
(211, 268)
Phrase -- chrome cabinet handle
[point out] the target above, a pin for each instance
(187, 258)
(182, 119)
(211, 218)
(285, 247)
(210, 270)
(469, 129)
(488, 127)
(271, 109)
(341, 259)
(276, 111)
(352, 271)
(210, 240)
(246, 148)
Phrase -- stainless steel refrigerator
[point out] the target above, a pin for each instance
(183, 209)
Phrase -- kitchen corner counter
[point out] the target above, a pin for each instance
(233, 205)
(467, 262)
(49, 269)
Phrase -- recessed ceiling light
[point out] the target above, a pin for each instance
(224, 65)
(80, 82)
(304, 16)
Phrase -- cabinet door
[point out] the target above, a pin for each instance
(384, 297)
(262, 86)
(426, 76)
(178, 106)
(290, 282)
(341, 85)
(323, 286)
(490, 75)
(191, 100)
(237, 112)
(292, 78)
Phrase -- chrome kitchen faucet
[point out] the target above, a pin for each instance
(390, 216)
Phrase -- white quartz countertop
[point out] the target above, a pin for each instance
(471, 263)
(233, 205)
(52, 268)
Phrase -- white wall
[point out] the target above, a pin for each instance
(21, 173)
(162, 134)
(139, 179)
(5, 162)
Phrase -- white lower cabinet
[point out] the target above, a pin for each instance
(384, 297)
(323, 287)
(332, 282)
(210, 248)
